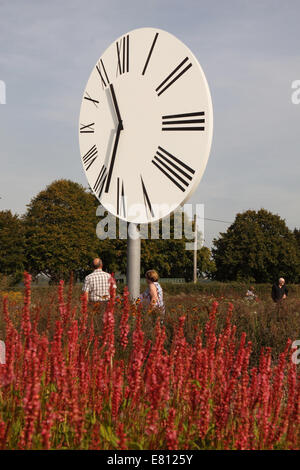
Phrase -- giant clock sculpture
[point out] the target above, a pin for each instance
(145, 125)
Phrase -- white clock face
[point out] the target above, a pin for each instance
(145, 125)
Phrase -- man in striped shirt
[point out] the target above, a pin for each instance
(97, 284)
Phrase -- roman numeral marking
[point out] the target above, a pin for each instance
(102, 72)
(88, 97)
(121, 206)
(90, 156)
(147, 202)
(174, 122)
(123, 55)
(150, 53)
(173, 168)
(99, 184)
(87, 128)
(167, 82)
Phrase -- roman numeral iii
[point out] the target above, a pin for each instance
(182, 68)
(173, 168)
(89, 158)
(183, 122)
(100, 181)
(123, 54)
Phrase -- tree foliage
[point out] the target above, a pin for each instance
(168, 256)
(297, 237)
(259, 247)
(57, 236)
(12, 243)
(60, 227)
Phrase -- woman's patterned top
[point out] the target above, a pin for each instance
(160, 299)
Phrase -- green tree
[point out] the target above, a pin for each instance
(168, 256)
(297, 236)
(12, 243)
(171, 259)
(60, 228)
(259, 247)
(206, 264)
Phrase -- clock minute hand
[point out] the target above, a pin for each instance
(113, 156)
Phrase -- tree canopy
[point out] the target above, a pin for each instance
(259, 247)
(57, 236)
(168, 256)
(60, 229)
(297, 236)
(12, 243)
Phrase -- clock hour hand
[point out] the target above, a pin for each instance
(119, 129)
(112, 91)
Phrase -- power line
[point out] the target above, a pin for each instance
(215, 220)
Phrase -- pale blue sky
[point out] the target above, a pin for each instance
(249, 51)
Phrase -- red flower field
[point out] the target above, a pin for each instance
(74, 387)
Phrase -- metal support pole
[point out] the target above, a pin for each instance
(195, 251)
(133, 261)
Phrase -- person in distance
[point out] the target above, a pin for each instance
(279, 290)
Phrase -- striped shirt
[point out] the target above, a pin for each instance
(97, 285)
